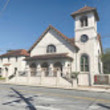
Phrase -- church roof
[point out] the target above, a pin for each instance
(61, 34)
(49, 56)
(85, 10)
(20, 52)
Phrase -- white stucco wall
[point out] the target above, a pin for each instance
(91, 47)
(62, 46)
(20, 64)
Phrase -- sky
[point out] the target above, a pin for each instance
(23, 21)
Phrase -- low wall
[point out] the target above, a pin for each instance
(44, 81)
(83, 79)
(35, 80)
(63, 82)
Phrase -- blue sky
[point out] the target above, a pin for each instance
(23, 21)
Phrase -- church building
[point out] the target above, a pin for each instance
(54, 57)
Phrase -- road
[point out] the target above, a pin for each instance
(13, 97)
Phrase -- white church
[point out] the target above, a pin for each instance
(54, 57)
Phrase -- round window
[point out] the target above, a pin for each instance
(84, 38)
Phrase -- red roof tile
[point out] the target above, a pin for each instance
(7, 64)
(20, 52)
(84, 10)
(49, 56)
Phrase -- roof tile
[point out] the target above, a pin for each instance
(20, 52)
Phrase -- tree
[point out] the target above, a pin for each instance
(106, 61)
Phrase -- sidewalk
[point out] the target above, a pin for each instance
(98, 88)
(95, 88)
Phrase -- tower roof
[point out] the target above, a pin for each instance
(86, 9)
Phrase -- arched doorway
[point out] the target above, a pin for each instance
(57, 66)
(33, 69)
(45, 68)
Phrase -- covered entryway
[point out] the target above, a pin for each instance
(45, 68)
(33, 69)
(50, 64)
(57, 67)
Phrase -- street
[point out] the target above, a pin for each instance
(13, 97)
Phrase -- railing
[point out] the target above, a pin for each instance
(12, 76)
(23, 73)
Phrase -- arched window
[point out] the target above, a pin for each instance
(51, 49)
(84, 21)
(84, 63)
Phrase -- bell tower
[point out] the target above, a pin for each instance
(85, 23)
(86, 35)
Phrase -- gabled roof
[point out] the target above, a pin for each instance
(85, 10)
(60, 34)
(20, 52)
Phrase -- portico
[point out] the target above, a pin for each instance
(50, 64)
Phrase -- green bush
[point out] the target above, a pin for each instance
(1, 78)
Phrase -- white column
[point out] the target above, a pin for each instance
(28, 73)
(42, 77)
(6, 72)
(16, 77)
(58, 77)
(64, 69)
(51, 70)
(42, 73)
(59, 73)
(6, 77)
(39, 70)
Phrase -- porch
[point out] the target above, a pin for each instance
(49, 65)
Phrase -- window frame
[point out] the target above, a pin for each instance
(84, 21)
(85, 66)
(87, 38)
(51, 48)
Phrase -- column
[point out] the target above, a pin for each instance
(16, 77)
(51, 70)
(64, 70)
(28, 73)
(42, 76)
(58, 73)
(39, 70)
(6, 77)
(58, 77)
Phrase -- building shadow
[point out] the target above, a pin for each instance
(103, 105)
(28, 100)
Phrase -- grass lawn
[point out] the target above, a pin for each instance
(1, 78)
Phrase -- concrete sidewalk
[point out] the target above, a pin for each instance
(95, 88)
